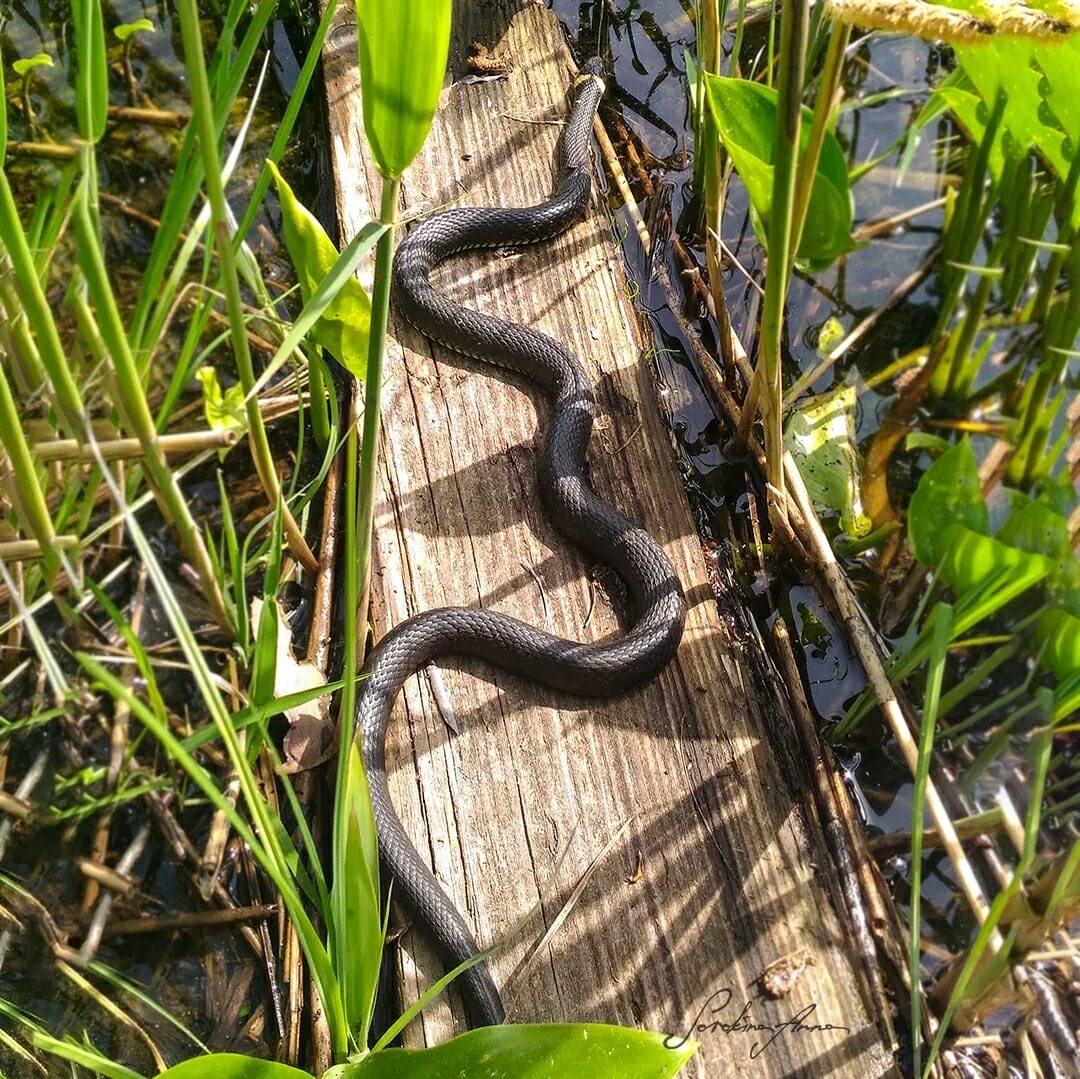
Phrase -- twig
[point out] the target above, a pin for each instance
(67, 449)
(863, 328)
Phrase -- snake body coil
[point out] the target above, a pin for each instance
(599, 670)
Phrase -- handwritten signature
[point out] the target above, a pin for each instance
(743, 1023)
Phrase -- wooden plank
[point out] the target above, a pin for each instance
(713, 874)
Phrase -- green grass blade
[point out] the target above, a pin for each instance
(941, 633)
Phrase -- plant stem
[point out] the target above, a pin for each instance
(131, 397)
(369, 450)
(824, 110)
(793, 34)
(42, 324)
(320, 414)
(359, 498)
(203, 109)
(33, 509)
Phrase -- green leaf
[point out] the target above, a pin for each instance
(1034, 526)
(3, 116)
(130, 29)
(1005, 65)
(745, 114)
(224, 411)
(820, 436)
(1057, 635)
(92, 85)
(343, 327)
(231, 1066)
(971, 559)
(539, 1051)
(1060, 64)
(402, 51)
(23, 67)
(357, 939)
(949, 493)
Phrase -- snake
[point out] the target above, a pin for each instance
(656, 606)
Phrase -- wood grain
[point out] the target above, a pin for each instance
(716, 871)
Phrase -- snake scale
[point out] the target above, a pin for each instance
(602, 669)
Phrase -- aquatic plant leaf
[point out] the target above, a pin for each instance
(972, 559)
(232, 1066)
(224, 410)
(1006, 66)
(343, 327)
(1057, 637)
(532, 1051)
(402, 50)
(25, 66)
(1059, 62)
(820, 436)
(1034, 526)
(130, 29)
(92, 85)
(829, 336)
(746, 117)
(949, 493)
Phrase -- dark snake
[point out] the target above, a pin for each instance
(605, 669)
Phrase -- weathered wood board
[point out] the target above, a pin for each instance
(714, 871)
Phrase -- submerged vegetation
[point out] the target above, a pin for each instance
(149, 670)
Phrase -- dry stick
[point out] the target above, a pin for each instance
(867, 652)
(973, 827)
(871, 229)
(67, 449)
(118, 744)
(130, 114)
(23, 550)
(811, 544)
(184, 851)
(19, 806)
(217, 840)
(191, 921)
(845, 841)
(863, 328)
(118, 883)
(49, 151)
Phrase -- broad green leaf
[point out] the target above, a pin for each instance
(820, 436)
(1057, 635)
(343, 327)
(402, 51)
(23, 67)
(231, 1066)
(1033, 526)
(1059, 62)
(949, 493)
(92, 85)
(745, 114)
(357, 937)
(540, 1051)
(224, 410)
(130, 29)
(1005, 65)
(972, 558)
